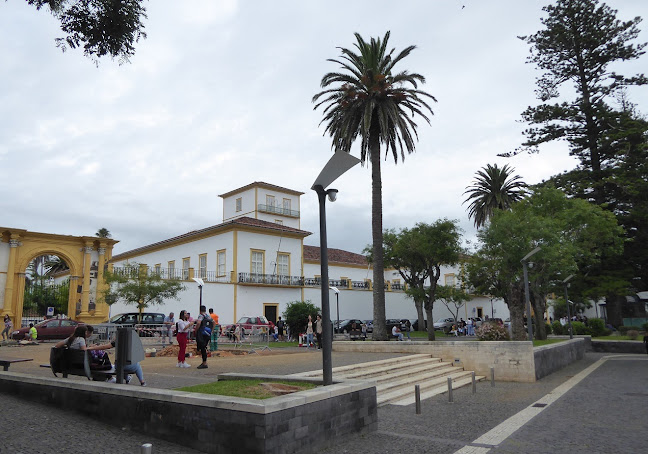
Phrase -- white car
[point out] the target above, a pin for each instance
(444, 324)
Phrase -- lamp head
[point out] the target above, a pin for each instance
(198, 281)
(332, 194)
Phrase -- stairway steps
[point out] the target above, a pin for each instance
(393, 370)
(407, 389)
(408, 400)
(382, 362)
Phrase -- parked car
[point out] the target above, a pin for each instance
(415, 325)
(55, 328)
(345, 325)
(444, 324)
(149, 325)
(250, 324)
(391, 322)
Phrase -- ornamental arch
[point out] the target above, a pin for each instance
(84, 255)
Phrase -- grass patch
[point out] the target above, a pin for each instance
(424, 335)
(539, 343)
(618, 338)
(251, 389)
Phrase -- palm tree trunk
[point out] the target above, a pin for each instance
(516, 305)
(379, 319)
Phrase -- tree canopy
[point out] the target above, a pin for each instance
(101, 27)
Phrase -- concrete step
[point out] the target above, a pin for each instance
(380, 363)
(411, 399)
(386, 371)
(444, 370)
(403, 390)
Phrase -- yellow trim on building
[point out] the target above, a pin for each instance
(286, 254)
(262, 251)
(235, 269)
(218, 253)
(202, 272)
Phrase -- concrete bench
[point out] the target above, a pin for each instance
(6, 362)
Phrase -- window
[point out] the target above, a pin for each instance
(278, 221)
(220, 265)
(256, 265)
(450, 280)
(283, 264)
(270, 200)
(171, 267)
(286, 206)
(202, 265)
(239, 204)
(185, 268)
(158, 269)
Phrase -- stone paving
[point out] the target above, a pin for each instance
(603, 413)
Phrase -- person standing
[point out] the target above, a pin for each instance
(318, 331)
(469, 327)
(280, 326)
(408, 328)
(7, 327)
(202, 333)
(169, 322)
(213, 316)
(183, 328)
(309, 331)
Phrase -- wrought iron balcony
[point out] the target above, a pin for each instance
(278, 210)
(272, 279)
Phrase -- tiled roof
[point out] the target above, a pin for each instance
(214, 229)
(261, 184)
(335, 256)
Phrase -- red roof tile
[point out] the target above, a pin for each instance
(335, 256)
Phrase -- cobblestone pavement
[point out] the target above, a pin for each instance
(604, 412)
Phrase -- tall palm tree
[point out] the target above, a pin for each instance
(369, 101)
(103, 233)
(493, 189)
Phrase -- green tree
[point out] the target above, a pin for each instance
(494, 189)
(296, 316)
(452, 298)
(103, 233)
(371, 102)
(134, 284)
(418, 254)
(581, 44)
(574, 236)
(101, 27)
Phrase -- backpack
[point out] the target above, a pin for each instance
(206, 327)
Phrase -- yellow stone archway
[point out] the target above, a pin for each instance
(85, 256)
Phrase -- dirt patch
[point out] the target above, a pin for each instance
(172, 350)
(279, 389)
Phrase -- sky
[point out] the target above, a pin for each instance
(219, 95)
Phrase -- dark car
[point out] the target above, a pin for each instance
(150, 324)
(369, 324)
(345, 325)
(55, 328)
(415, 325)
(391, 322)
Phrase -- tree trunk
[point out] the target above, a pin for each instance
(430, 328)
(515, 303)
(539, 307)
(380, 328)
(419, 314)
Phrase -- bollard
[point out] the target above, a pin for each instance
(492, 377)
(417, 395)
(474, 383)
(147, 448)
(450, 399)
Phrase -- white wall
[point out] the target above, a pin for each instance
(270, 244)
(247, 205)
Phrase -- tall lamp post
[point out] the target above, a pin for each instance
(334, 168)
(566, 283)
(525, 262)
(337, 304)
(200, 283)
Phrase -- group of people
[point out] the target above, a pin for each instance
(464, 327)
(575, 318)
(314, 328)
(200, 329)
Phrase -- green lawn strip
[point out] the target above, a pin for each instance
(617, 338)
(243, 388)
(538, 343)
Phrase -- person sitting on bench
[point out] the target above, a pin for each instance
(128, 369)
(76, 341)
(396, 332)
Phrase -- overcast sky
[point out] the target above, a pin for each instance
(219, 95)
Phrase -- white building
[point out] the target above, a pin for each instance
(255, 262)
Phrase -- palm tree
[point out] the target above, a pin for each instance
(103, 233)
(368, 101)
(493, 189)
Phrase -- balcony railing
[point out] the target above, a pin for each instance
(278, 210)
(272, 279)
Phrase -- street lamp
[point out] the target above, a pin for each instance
(337, 303)
(571, 335)
(200, 286)
(334, 168)
(525, 261)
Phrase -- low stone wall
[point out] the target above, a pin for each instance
(552, 357)
(512, 360)
(306, 421)
(618, 346)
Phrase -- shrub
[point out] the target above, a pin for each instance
(596, 326)
(580, 328)
(492, 332)
(624, 329)
(548, 327)
(633, 334)
(296, 316)
(557, 328)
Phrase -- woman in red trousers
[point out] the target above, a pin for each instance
(184, 326)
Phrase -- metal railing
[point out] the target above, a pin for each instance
(278, 210)
(273, 279)
(105, 332)
(254, 337)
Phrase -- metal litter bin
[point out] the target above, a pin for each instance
(213, 344)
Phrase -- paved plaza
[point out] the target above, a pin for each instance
(597, 405)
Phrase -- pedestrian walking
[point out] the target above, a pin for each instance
(309, 331)
(202, 332)
(183, 326)
(318, 331)
(7, 327)
(169, 324)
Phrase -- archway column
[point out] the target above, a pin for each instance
(101, 285)
(9, 303)
(85, 295)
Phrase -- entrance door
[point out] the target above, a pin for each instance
(270, 312)
(480, 312)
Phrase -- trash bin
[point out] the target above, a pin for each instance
(213, 345)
